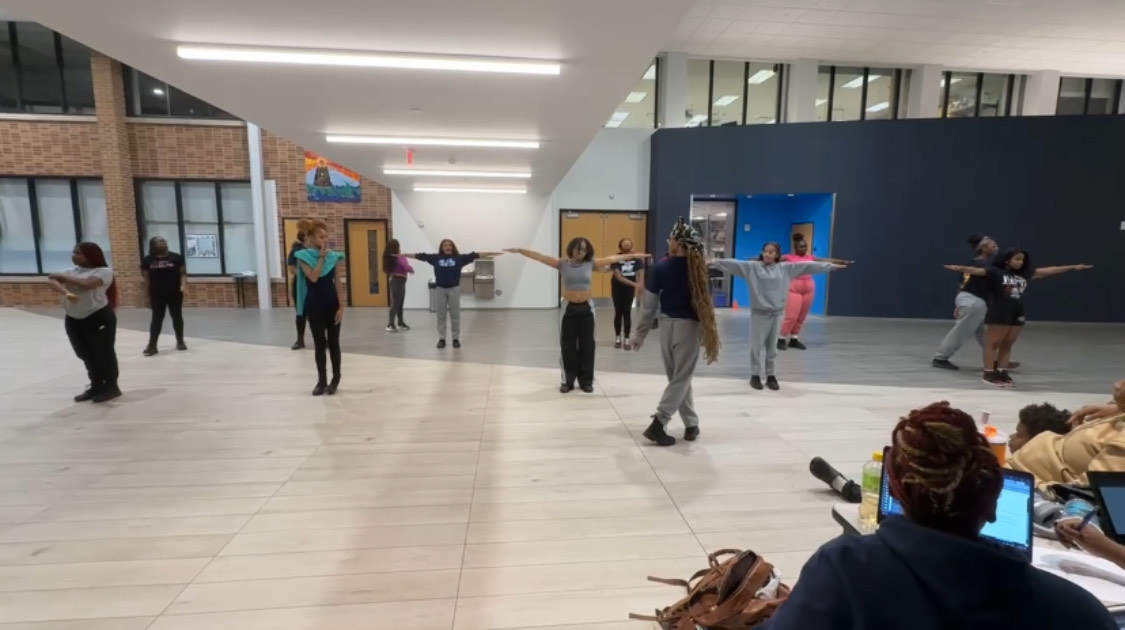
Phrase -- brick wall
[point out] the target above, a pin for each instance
(120, 150)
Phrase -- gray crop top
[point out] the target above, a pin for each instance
(575, 276)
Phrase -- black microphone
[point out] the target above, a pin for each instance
(847, 488)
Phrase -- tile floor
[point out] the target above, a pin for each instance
(218, 495)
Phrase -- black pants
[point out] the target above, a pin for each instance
(622, 308)
(93, 340)
(576, 340)
(300, 318)
(173, 302)
(398, 295)
(326, 341)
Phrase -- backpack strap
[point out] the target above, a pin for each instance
(652, 618)
(713, 558)
(685, 584)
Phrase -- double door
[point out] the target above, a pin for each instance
(604, 230)
(364, 242)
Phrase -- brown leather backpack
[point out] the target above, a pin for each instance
(724, 597)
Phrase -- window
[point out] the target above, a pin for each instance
(732, 93)
(211, 223)
(42, 72)
(42, 219)
(1079, 96)
(976, 94)
(698, 106)
(638, 110)
(148, 96)
(845, 93)
(728, 92)
(763, 98)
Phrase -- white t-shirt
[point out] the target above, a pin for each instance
(89, 301)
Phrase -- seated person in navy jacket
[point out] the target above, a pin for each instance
(928, 570)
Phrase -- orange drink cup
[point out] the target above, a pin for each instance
(998, 442)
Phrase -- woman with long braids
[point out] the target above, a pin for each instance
(397, 268)
(165, 276)
(929, 569)
(623, 287)
(679, 291)
(319, 301)
(89, 298)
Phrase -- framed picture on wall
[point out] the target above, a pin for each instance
(202, 245)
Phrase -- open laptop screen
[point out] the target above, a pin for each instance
(1109, 488)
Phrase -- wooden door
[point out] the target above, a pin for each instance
(619, 225)
(289, 235)
(365, 241)
(805, 229)
(589, 225)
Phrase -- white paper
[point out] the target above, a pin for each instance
(1101, 578)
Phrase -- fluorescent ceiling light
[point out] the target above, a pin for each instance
(650, 74)
(878, 107)
(821, 101)
(952, 81)
(435, 142)
(449, 189)
(696, 120)
(616, 119)
(452, 173)
(761, 76)
(858, 81)
(719, 214)
(723, 101)
(366, 60)
(158, 91)
(612, 124)
(636, 97)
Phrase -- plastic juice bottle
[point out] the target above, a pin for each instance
(872, 478)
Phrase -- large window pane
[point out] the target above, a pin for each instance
(994, 95)
(1103, 96)
(238, 227)
(881, 96)
(158, 206)
(201, 228)
(638, 110)
(147, 96)
(727, 92)
(56, 223)
(823, 92)
(8, 92)
(94, 221)
(962, 95)
(698, 80)
(77, 77)
(763, 83)
(1072, 97)
(17, 234)
(847, 94)
(41, 81)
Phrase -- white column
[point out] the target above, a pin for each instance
(257, 200)
(800, 93)
(1041, 94)
(924, 97)
(673, 89)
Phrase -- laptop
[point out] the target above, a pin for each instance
(1109, 489)
(1012, 527)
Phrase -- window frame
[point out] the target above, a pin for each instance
(220, 218)
(1088, 93)
(59, 66)
(896, 77)
(36, 224)
(1010, 78)
(779, 70)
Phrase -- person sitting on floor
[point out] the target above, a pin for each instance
(928, 569)
(1095, 441)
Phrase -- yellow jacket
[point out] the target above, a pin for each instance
(1054, 458)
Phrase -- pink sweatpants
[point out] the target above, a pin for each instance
(797, 304)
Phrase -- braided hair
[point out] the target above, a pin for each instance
(943, 471)
(699, 280)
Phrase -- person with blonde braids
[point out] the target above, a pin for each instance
(678, 290)
(929, 569)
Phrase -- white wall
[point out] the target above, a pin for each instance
(611, 174)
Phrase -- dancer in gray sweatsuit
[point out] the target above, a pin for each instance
(768, 281)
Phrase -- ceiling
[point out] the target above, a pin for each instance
(1079, 37)
(604, 47)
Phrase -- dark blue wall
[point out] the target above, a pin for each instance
(908, 192)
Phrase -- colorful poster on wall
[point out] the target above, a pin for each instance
(327, 181)
(202, 245)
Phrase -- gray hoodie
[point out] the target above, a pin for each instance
(769, 284)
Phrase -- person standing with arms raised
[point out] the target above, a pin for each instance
(448, 263)
(165, 277)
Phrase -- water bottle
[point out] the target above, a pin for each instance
(872, 478)
(1078, 509)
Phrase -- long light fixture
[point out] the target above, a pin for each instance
(435, 142)
(616, 119)
(453, 173)
(761, 76)
(650, 74)
(636, 97)
(878, 107)
(858, 81)
(723, 101)
(366, 60)
(464, 189)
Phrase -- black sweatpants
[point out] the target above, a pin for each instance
(623, 295)
(326, 341)
(398, 296)
(300, 318)
(173, 302)
(576, 340)
(93, 339)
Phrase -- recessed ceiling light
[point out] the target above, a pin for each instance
(951, 81)
(858, 81)
(761, 76)
(462, 189)
(452, 173)
(821, 101)
(636, 97)
(616, 119)
(696, 120)
(723, 101)
(435, 142)
(650, 74)
(878, 107)
(366, 60)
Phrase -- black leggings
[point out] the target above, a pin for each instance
(300, 318)
(173, 302)
(623, 295)
(93, 340)
(576, 341)
(326, 340)
(398, 296)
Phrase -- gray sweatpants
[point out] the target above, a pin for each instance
(448, 300)
(679, 348)
(765, 327)
(970, 311)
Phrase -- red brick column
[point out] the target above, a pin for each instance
(117, 176)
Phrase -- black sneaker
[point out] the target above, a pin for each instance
(150, 350)
(1005, 379)
(782, 344)
(456, 343)
(756, 382)
(771, 382)
(690, 433)
(403, 327)
(943, 364)
(565, 389)
(319, 389)
(656, 433)
(441, 344)
(181, 346)
(89, 394)
(589, 389)
(300, 345)
(796, 343)
(107, 394)
(992, 377)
